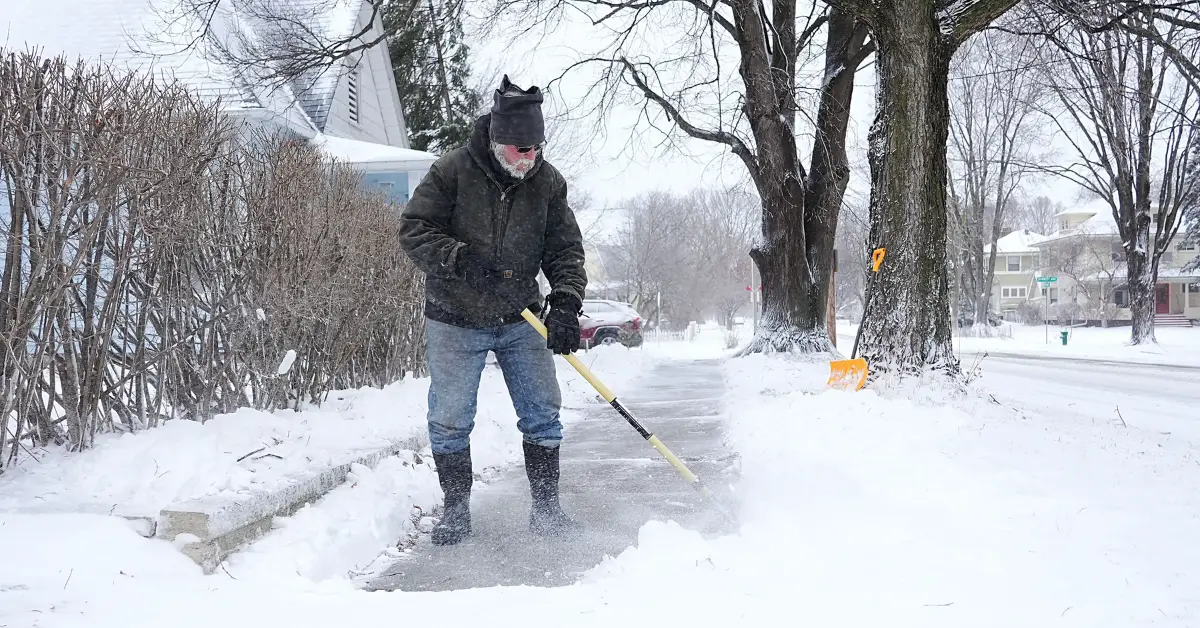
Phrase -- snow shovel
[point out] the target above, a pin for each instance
(844, 374)
(628, 416)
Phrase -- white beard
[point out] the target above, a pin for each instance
(517, 170)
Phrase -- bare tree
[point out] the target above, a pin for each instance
(994, 132)
(685, 91)
(1126, 102)
(1094, 265)
(853, 231)
(1038, 215)
(1190, 206)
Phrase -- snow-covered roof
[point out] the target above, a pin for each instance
(1020, 241)
(360, 152)
(313, 24)
(1100, 224)
(145, 35)
(164, 37)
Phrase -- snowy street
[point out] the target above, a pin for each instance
(1156, 398)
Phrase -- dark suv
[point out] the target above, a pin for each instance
(609, 322)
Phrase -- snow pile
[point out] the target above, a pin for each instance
(250, 451)
(947, 510)
(246, 451)
(924, 505)
(347, 529)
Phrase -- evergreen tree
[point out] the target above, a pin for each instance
(432, 66)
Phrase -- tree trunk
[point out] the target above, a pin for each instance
(1141, 279)
(797, 262)
(907, 324)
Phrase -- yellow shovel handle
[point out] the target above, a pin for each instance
(574, 361)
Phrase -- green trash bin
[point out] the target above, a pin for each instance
(1064, 335)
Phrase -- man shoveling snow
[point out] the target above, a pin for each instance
(481, 224)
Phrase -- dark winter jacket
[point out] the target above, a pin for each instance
(520, 225)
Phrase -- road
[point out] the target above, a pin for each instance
(1158, 398)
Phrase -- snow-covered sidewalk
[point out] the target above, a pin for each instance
(915, 505)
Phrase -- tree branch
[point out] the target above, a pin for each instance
(737, 146)
(963, 18)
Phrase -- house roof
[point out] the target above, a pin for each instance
(156, 36)
(132, 34)
(140, 35)
(1101, 223)
(360, 152)
(1020, 241)
(314, 24)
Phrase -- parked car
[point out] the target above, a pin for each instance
(608, 322)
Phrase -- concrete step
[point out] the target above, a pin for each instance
(1171, 320)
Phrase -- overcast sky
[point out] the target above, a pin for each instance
(624, 163)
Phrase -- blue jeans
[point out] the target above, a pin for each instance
(456, 357)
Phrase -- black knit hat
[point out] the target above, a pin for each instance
(517, 115)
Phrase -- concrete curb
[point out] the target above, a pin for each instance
(219, 526)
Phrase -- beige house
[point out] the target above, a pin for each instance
(1086, 256)
(1017, 263)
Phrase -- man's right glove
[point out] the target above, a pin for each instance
(562, 323)
(476, 270)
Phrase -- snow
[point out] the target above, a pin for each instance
(360, 152)
(253, 452)
(911, 503)
(1179, 346)
(288, 359)
(139, 34)
(1020, 241)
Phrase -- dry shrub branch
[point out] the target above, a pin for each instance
(161, 260)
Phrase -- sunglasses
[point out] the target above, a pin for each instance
(528, 149)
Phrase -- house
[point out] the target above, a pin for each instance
(1086, 257)
(351, 111)
(1016, 267)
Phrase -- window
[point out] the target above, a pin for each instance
(1051, 293)
(1014, 263)
(352, 87)
(1121, 297)
(596, 307)
(1013, 293)
(1193, 296)
(394, 184)
(1186, 246)
(1064, 224)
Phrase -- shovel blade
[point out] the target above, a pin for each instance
(848, 374)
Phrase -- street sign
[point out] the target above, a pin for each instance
(1047, 279)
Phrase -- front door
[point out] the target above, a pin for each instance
(1162, 301)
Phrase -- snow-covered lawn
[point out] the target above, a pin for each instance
(914, 505)
(1176, 345)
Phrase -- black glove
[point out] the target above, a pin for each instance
(562, 323)
(475, 269)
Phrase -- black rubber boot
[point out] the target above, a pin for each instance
(546, 518)
(456, 478)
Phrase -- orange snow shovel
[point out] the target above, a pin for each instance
(844, 374)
